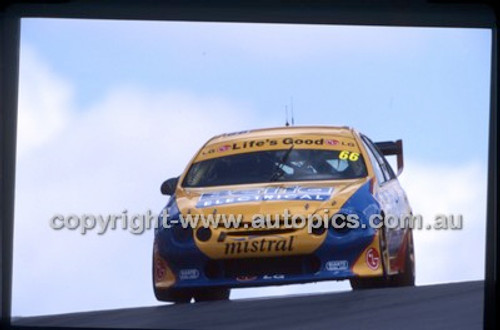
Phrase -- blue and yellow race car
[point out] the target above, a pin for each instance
(280, 206)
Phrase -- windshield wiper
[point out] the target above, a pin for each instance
(278, 171)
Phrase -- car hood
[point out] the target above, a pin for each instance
(268, 198)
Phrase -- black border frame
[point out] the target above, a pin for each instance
(422, 13)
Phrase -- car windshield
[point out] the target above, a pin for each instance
(276, 165)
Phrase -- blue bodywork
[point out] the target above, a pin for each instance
(333, 259)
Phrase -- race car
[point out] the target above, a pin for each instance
(329, 191)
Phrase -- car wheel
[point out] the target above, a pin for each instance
(360, 283)
(407, 277)
(210, 294)
(177, 296)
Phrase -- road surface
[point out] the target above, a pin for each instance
(443, 306)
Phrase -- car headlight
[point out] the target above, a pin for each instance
(342, 222)
(172, 222)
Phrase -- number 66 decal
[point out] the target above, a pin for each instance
(352, 156)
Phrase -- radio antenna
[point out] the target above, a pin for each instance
(291, 110)
(286, 117)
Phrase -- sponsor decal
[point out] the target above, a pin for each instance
(372, 258)
(223, 197)
(189, 274)
(273, 277)
(223, 148)
(252, 244)
(246, 278)
(265, 143)
(347, 155)
(336, 265)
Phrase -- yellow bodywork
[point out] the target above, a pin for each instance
(246, 242)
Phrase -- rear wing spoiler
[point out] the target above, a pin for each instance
(390, 148)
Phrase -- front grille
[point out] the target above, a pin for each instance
(232, 268)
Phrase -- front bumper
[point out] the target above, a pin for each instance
(340, 256)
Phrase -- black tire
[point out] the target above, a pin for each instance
(407, 277)
(177, 296)
(211, 294)
(361, 283)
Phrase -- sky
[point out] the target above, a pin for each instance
(110, 109)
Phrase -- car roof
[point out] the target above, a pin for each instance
(340, 131)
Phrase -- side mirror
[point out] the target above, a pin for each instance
(168, 187)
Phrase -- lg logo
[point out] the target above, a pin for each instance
(372, 258)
